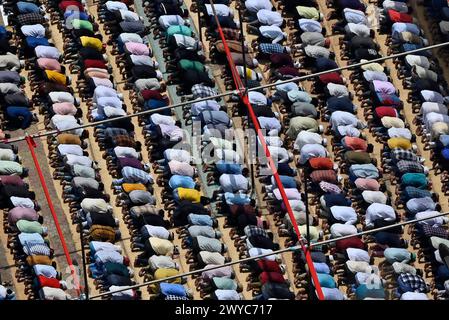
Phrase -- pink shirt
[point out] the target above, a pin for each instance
(64, 108)
(225, 272)
(19, 213)
(139, 49)
(367, 184)
(384, 87)
(96, 74)
(102, 82)
(49, 64)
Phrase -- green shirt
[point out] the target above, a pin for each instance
(10, 167)
(417, 180)
(82, 24)
(184, 30)
(298, 124)
(191, 65)
(308, 12)
(26, 226)
(224, 283)
(116, 268)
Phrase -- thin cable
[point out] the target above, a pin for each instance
(289, 249)
(227, 93)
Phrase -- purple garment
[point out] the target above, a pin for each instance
(129, 162)
(19, 213)
(384, 87)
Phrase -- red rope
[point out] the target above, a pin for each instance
(242, 92)
(32, 145)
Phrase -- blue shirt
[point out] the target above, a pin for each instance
(25, 238)
(336, 200)
(3, 32)
(232, 198)
(27, 7)
(200, 220)
(229, 168)
(15, 112)
(177, 181)
(445, 153)
(324, 64)
(172, 289)
(326, 280)
(287, 181)
(76, 14)
(33, 42)
(153, 104)
(321, 267)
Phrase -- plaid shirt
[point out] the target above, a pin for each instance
(415, 282)
(202, 91)
(133, 175)
(123, 141)
(173, 297)
(409, 166)
(324, 175)
(270, 48)
(36, 249)
(143, 210)
(229, 34)
(251, 230)
(329, 187)
(30, 18)
(434, 231)
(412, 192)
(398, 154)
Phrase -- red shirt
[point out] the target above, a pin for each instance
(333, 77)
(386, 112)
(89, 63)
(321, 163)
(151, 94)
(289, 71)
(354, 242)
(396, 16)
(281, 59)
(72, 4)
(355, 144)
(324, 175)
(271, 277)
(269, 266)
(48, 282)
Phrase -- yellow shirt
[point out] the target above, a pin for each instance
(191, 195)
(35, 259)
(162, 247)
(128, 187)
(161, 274)
(308, 12)
(68, 138)
(92, 43)
(401, 143)
(55, 76)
